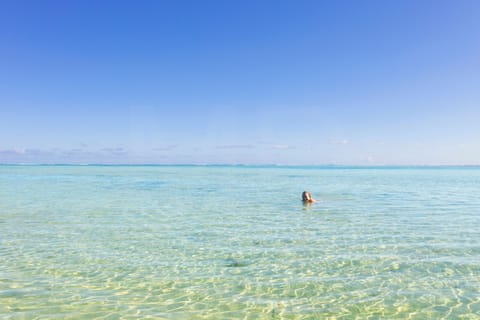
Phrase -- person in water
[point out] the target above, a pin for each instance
(307, 197)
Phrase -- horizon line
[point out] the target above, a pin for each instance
(242, 164)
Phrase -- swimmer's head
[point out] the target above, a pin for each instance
(306, 196)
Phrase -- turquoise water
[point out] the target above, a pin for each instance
(235, 242)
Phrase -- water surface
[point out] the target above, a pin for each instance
(235, 242)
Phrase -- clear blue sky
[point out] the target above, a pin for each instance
(289, 82)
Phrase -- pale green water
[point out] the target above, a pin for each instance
(180, 242)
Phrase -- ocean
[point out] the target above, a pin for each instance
(236, 242)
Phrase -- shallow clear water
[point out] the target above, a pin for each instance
(231, 242)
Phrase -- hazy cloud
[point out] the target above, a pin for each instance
(23, 151)
(10, 152)
(119, 151)
(236, 146)
(339, 141)
(26, 155)
(169, 147)
(282, 147)
(276, 146)
(57, 155)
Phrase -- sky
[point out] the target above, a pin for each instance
(240, 82)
